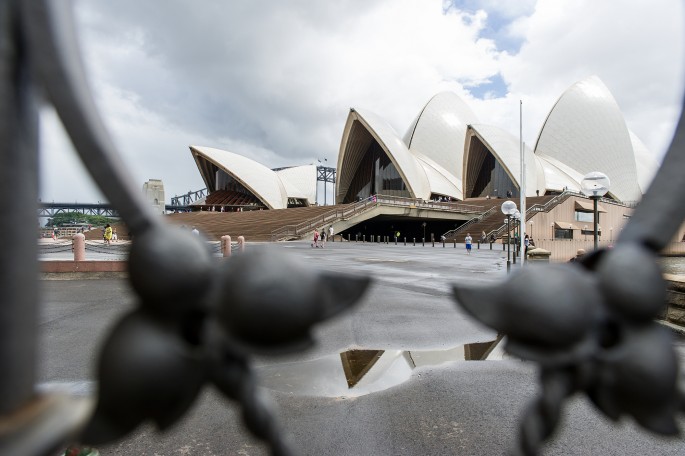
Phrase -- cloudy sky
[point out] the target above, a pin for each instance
(274, 80)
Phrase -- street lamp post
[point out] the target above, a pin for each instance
(517, 241)
(508, 209)
(595, 185)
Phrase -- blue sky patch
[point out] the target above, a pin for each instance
(494, 87)
(497, 24)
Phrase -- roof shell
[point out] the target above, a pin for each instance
(299, 182)
(507, 149)
(439, 131)
(257, 178)
(410, 170)
(441, 182)
(586, 131)
(645, 163)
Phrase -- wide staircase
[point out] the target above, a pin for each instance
(254, 225)
(231, 199)
(492, 220)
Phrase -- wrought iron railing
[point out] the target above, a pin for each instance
(587, 325)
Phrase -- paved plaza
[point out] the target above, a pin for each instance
(442, 407)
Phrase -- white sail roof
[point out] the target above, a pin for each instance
(257, 178)
(586, 131)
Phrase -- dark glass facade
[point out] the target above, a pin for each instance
(375, 174)
(485, 174)
(493, 180)
(225, 181)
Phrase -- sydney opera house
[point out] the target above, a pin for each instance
(448, 153)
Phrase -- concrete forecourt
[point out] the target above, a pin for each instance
(437, 407)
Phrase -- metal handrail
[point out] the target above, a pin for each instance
(470, 222)
(535, 208)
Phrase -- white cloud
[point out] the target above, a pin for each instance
(274, 80)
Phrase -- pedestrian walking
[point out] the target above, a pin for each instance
(107, 234)
(468, 240)
(315, 244)
(330, 232)
(323, 237)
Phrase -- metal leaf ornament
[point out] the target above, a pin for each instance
(158, 357)
(268, 301)
(199, 322)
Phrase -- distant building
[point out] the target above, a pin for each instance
(154, 193)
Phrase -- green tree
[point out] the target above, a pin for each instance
(69, 218)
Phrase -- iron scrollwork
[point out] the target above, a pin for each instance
(195, 323)
(589, 325)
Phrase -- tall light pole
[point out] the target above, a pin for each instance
(517, 241)
(595, 185)
(508, 209)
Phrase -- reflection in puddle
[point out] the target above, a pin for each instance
(360, 372)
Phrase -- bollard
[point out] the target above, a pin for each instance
(478, 245)
(395, 240)
(414, 242)
(405, 240)
(443, 243)
(423, 242)
(455, 243)
(504, 246)
(433, 242)
(78, 245)
(241, 244)
(226, 245)
(363, 238)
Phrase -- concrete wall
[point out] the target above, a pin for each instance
(154, 193)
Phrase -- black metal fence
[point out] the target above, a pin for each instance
(199, 325)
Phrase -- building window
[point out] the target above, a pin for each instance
(563, 234)
(582, 216)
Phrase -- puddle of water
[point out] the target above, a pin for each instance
(360, 372)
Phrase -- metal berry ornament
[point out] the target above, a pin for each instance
(196, 323)
(590, 325)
